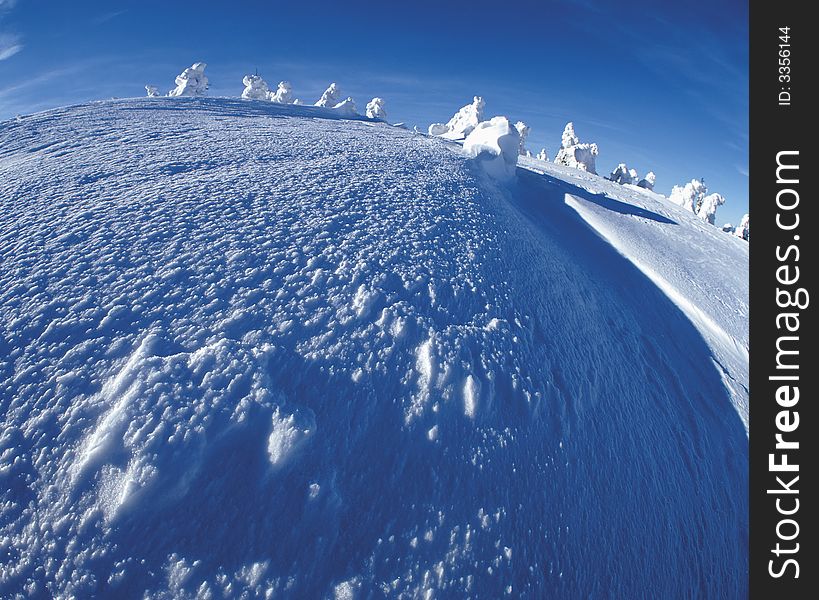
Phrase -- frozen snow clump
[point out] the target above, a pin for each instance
(462, 123)
(495, 144)
(376, 110)
(191, 82)
(574, 154)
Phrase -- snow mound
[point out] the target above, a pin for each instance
(283, 94)
(376, 110)
(294, 354)
(462, 123)
(255, 88)
(574, 154)
(191, 82)
(331, 96)
(495, 145)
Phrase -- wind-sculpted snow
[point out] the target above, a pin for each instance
(250, 349)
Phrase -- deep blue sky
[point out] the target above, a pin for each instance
(662, 86)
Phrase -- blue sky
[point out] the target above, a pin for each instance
(660, 86)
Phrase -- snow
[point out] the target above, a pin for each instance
(462, 123)
(689, 196)
(331, 96)
(191, 82)
(375, 109)
(708, 208)
(542, 155)
(283, 94)
(152, 91)
(574, 154)
(346, 107)
(648, 181)
(523, 132)
(296, 353)
(255, 88)
(621, 175)
(495, 144)
(743, 230)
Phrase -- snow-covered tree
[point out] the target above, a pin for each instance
(542, 155)
(708, 208)
(283, 93)
(255, 88)
(690, 195)
(375, 109)
(331, 96)
(743, 230)
(152, 90)
(728, 228)
(621, 174)
(523, 131)
(648, 181)
(495, 144)
(191, 82)
(574, 154)
(462, 123)
(569, 137)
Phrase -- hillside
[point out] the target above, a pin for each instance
(253, 350)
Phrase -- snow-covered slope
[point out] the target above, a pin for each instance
(254, 349)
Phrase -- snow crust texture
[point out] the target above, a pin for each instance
(290, 354)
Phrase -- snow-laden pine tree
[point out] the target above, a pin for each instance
(523, 131)
(574, 154)
(375, 109)
(708, 207)
(648, 181)
(255, 88)
(462, 123)
(152, 90)
(191, 82)
(283, 94)
(743, 230)
(331, 96)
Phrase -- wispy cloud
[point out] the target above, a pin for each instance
(104, 18)
(9, 42)
(9, 45)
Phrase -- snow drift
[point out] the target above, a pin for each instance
(495, 144)
(290, 354)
